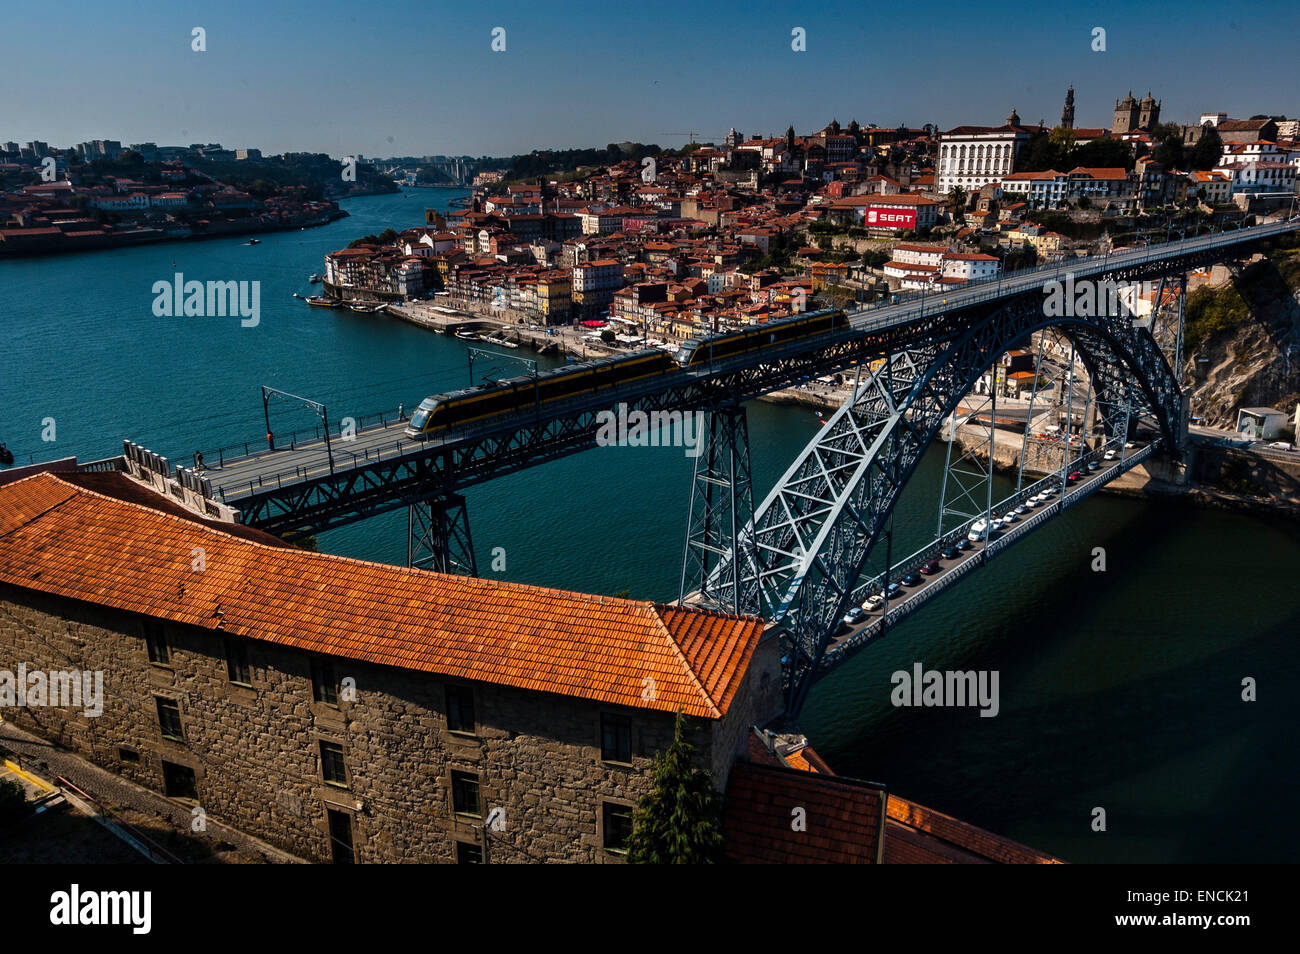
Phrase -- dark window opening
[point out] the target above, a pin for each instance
(615, 738)
(617, 825)
(464, 794)
(128, 755)
(467, 854)
(237, 661)
(178, 781)
(341, 850)
(332, 769)
(324, 687)
(155, 641)
(169, 718)
(460, 708)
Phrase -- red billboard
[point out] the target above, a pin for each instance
(882, 218)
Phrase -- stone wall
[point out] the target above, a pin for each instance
(255, 750)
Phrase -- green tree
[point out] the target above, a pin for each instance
(1170, 152)
(957, 200)
(679, 821)
(1205, 154)
(13, 801)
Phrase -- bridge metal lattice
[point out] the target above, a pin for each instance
(438, 536)
(722, 504)
(815, 531)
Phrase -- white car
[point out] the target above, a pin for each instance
(1010, 517)
(873, 603)
(1031, 503)
(1280, 445)
(1110, 454)
(1047, 494)
(854, 616)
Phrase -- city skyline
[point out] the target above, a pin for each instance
(403, 83)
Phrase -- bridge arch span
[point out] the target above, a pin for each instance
(812, 536)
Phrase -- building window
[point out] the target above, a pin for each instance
(178, 781)
(615, 738)
(617, 825)
(237, 661)
(460, 709)
(324, 687)
(128, 755)
(169, 718)
(341, 849)
(155, 641)
(468, 854)
(332, 769)
(464, 794)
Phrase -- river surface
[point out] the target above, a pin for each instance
(1119, 690)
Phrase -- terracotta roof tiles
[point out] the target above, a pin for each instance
(69, 541)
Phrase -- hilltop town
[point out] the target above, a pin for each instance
(714, 236)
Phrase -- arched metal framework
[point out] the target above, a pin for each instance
(811, 537)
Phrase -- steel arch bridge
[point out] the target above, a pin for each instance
(809, 541)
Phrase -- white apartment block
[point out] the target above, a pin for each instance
(1042, 190)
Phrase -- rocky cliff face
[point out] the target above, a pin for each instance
(1242, 340)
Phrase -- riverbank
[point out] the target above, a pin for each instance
(138, 237)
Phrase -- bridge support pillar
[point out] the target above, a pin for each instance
(722, 506)
(438, 536)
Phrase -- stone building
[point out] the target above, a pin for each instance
(1131, 114)
(352, 711)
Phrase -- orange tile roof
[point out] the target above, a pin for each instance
(915, 834)
(58, 538)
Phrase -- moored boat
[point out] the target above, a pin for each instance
(320, 301)
(316, 279)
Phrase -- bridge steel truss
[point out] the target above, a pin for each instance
(528, 439)
(300, 507)
(813, 534)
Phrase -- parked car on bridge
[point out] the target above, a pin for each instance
(874, 602)
(854, 616)
(912, 579)
(1110, 454)
(950, 553)
(931, 568)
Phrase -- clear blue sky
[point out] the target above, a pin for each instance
(418, 77)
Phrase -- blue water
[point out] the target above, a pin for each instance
(1119, 690)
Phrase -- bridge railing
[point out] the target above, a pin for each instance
(904, 606)
(1005, 283)
(253, 449)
